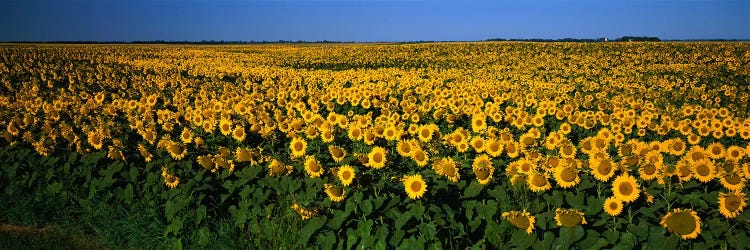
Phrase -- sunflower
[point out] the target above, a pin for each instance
(304, 213)
(512, 149)
(569, 217)
(147, 156)
(696, 154)
(420, 157)
(538, 182)
(186, 136)
(734, 153)
(733, 181)
(731, 204)
(313, 167)
(376, 158)
(404, 148)
(95, 140)
(566, 177)
(520, 219)
(176, 150)
(225, 125)
(239, 133)
(613, 206)
(414, 185)
(567, 151)
(169, 179)
(276, 168)
(391, 133)
(684, 222)
(625, 188)
(298, 147)
(715, 150)
(205, 161)
(369, 137)
(478, 122)
(425, 133)
(478, 144)
(446, 167)
(243, 155)
(704, 170)
(346, 174)
(493, 147)
(335, 193)
(683, 171)
(337, 153)
(603, 169)
(483, 169)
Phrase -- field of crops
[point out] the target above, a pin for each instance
(452, 145)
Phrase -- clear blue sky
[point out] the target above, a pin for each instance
(370, 20)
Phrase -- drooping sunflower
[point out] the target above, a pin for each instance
(414, 185)
(521, 219)
(346, 175)
(276, 168)
(304, 213)
(337, 153)
(704, 170)
(625, 188)
(313, 167)
(613, 206)
(446, 167)
(176, 150)
(335, 193)
(566, 176)
(684, 222)
(147, 156)
(538, 182)
(298, 147)
(376, 158)
(483, 169)
(569, 217)
(169, 179)
(732, 203)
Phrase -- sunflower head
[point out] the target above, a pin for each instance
(613, 206)
(415, 186)
(376, 158)
(346, 174)
(625, 188)
(337, 153)
(298, 147)
(313, 167)
(569, 217)
(335, 193)
(684, 222)
(731, 204)
(521, 220)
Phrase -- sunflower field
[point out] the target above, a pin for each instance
(439, 145)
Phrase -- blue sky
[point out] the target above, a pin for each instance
(369, 20)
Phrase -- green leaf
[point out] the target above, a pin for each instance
(472, 190)
(640, 231)
(366, 207)
(312, 226)
(396, 237)
(200, 214)
(326, 240)
(401, 219)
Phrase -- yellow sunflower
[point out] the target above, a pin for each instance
(304, 213)
(478, 143)
(715, 150)
(569, 217)
(298, 147)
(625, 188)
(613, 206)
(95, 140)
(603, 170)
(337, 153)
(335, 193)
(225, 125)
(446, 167)
(276, 168)
(521, 219)
(734, 153)
(313, 167)
(239, 133)
(176, 150)
(346, 175)
(404, 148)
(376, 158)
(186, 136)
(684, 222)
(566, 177)
(731, 204)
(733, 181)
(704, 170)
(147, 156)
(483, 169)
(420, 157)
(169, 179)
(493, 147)
(567, 151)
(414, 185)
(538, 182)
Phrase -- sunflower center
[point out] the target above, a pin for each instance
(298, 146)
(716, 150)
(520, 221)
(415, 186)
(697, 156)
(449, 170)
(732, 203)
(733, 179)
(525, 167)
(649, 169)
(682, 223)
(613, 206)
(684, 171)
(626, 188)
(702, 170)
(336, 191)
(419, 156)
(604, 167)
(377, 158)
(568, 175)
(570, 219)
(337, 152)
(539, 180)
(314, 167)
(568, 150)
(494, 147)
(483, 173)
(346, 175)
